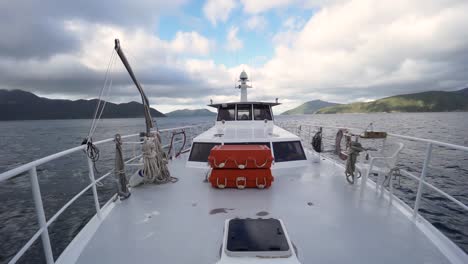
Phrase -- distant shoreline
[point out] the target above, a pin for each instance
(176, 117)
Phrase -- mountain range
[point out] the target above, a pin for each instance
(432, 101)
(188, 113)
(22, 105)
(309, 107)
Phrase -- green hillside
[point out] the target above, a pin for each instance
(433, 101)
(188, 112)
(309, 107)
(22, 105)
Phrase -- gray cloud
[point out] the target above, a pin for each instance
(35, 29)
(337, 55)
(78, 80)
(34, 33)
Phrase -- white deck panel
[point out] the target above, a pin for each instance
(172, 223)
(238, 133)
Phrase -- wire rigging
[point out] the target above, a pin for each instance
(106, 78)
(91, 150)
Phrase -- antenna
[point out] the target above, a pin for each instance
(251, 73)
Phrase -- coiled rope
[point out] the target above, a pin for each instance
(155, 160)
(119, 169)
(317, 141)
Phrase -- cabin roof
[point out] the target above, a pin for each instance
(234, 133)
(233, 103)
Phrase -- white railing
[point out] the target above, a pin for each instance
(307, 130)
(43, 231)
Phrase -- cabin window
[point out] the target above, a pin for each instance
(262, 112)
(244, 112)
(288, 151)
(201, 151)
(226, 113)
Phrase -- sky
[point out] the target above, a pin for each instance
(185, 53)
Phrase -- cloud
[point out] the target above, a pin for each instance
(218, 10)
(294, 23)
(345, 50)
(258, 6)
(256, 23)
(233, 43)
(289, 30)
(36, 29)
(156, 64)
(192, 43)
(372, 49)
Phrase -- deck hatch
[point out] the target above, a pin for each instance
(257, 235)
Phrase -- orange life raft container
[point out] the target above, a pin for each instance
(240, 166)
(240, 157)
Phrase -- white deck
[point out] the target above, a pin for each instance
(324, 216)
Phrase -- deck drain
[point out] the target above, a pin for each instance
(262, 213)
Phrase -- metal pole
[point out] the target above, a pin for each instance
(36, 191)
(364, 178)
(427, 160)
(144, 98)
(390, 182)
(93, 182)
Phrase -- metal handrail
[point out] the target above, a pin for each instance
(427, 159)
(43, 223)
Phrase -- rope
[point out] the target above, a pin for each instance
(119, 169)
(107, 87)
(354, 150)
(91, 150)
(220, 165)
(172, 142)
(155, 162)
(317, 141)
(261, 166)
(239, 166)
(339, 137)
(104, 87)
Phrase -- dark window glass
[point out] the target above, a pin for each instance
(262, 112)
(226, 113)
(250, 143)
(288, 151)
(244, 112)
(201, 151)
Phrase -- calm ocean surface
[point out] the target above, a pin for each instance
(24, 141)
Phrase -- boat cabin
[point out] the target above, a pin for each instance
(244, 111)
(248, 123)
